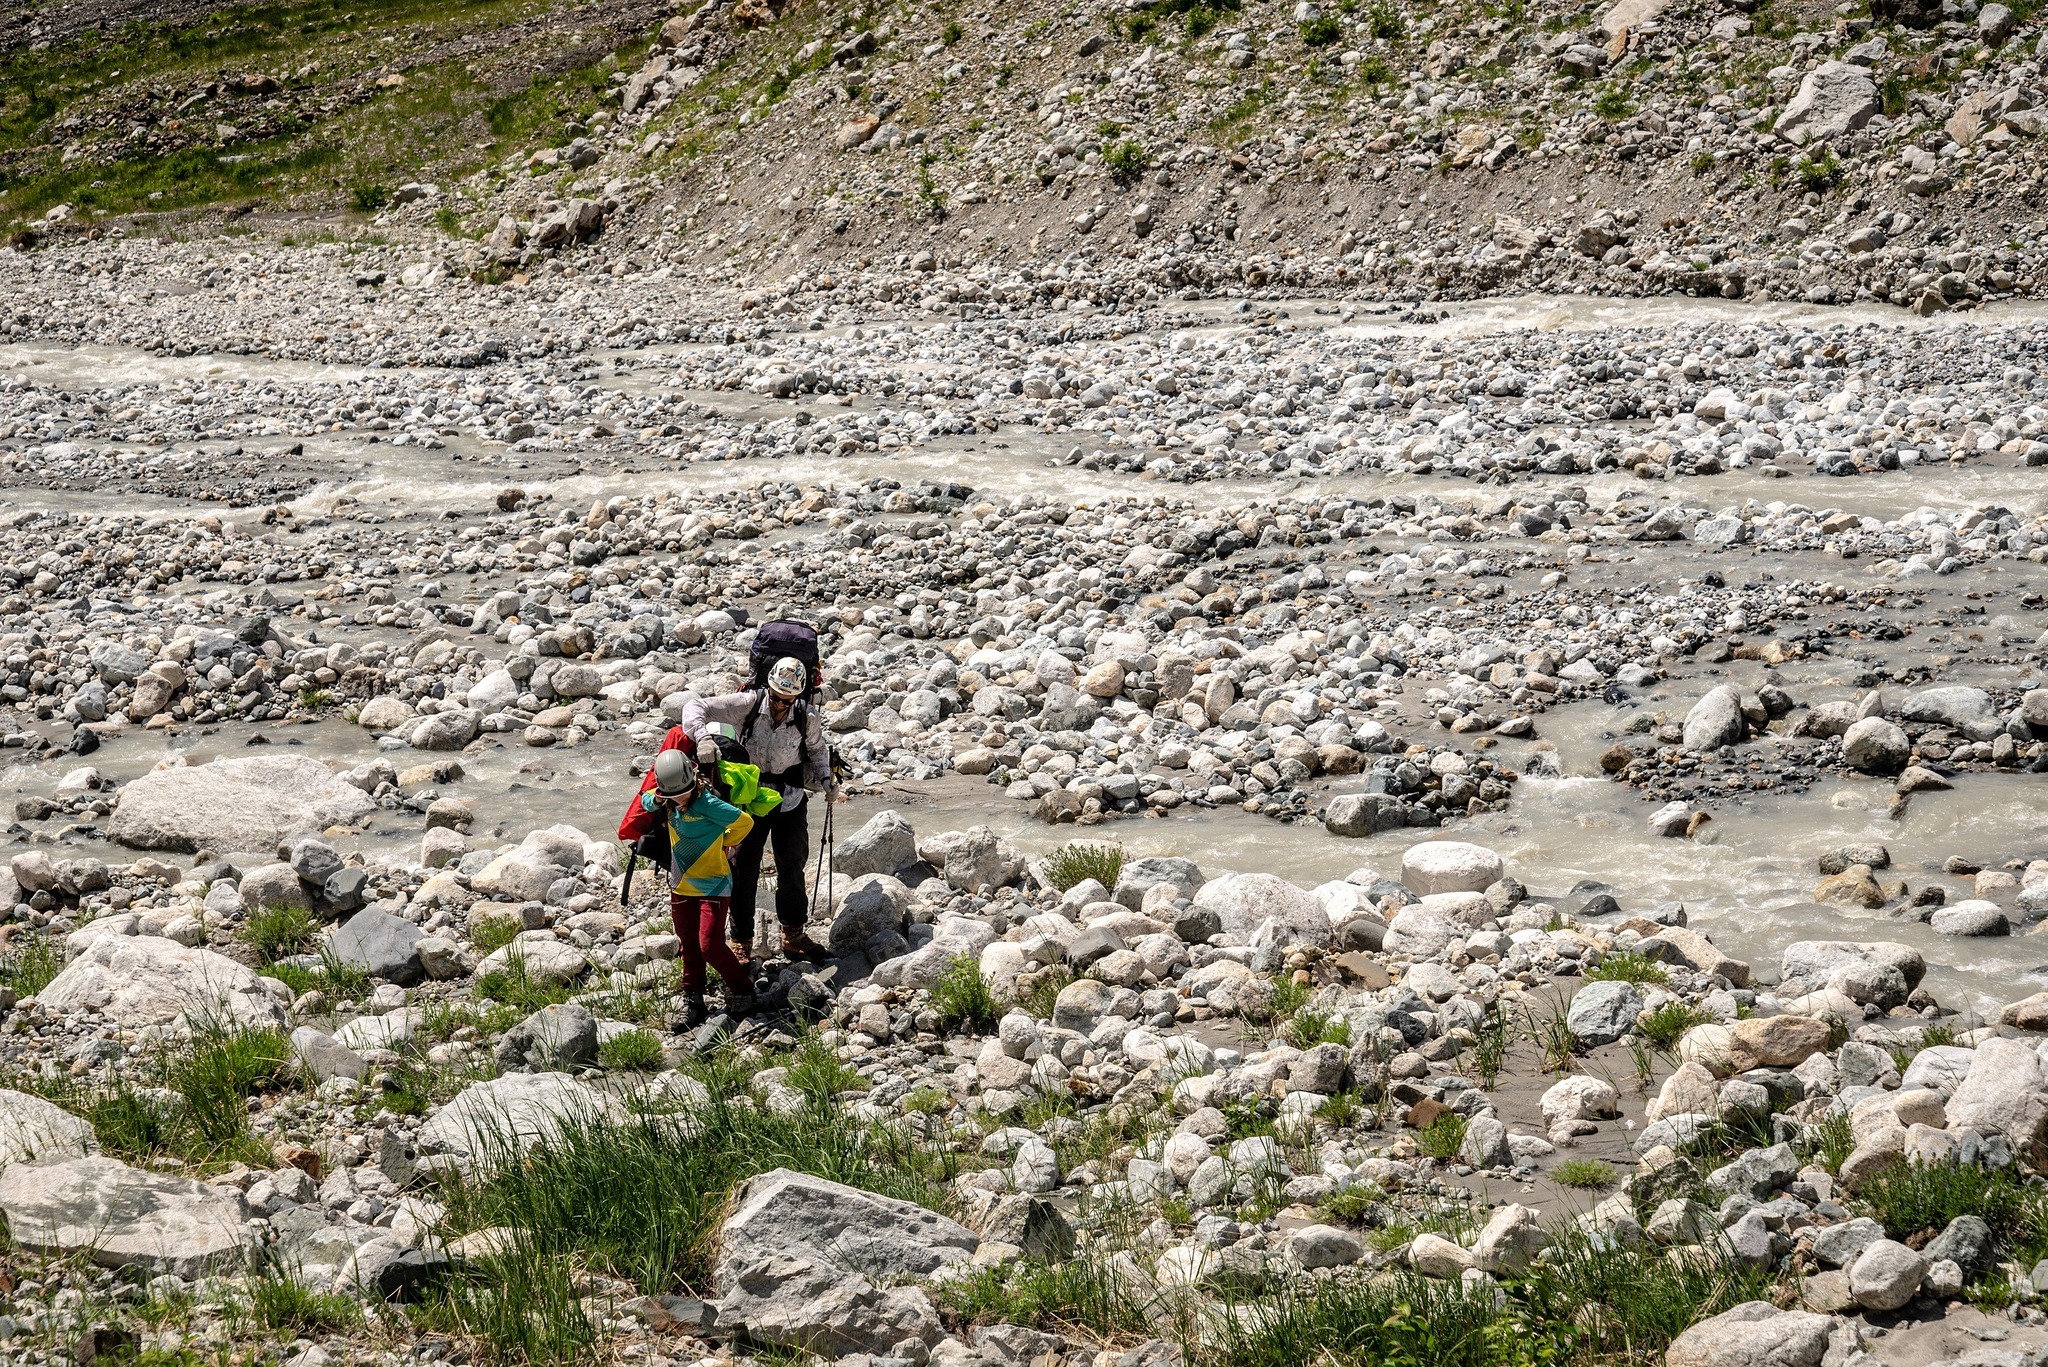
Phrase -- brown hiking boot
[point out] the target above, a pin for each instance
(694, 1014)
(739, 1001)
(744, 953)
(797, 945)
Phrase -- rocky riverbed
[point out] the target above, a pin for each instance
(1517, 820)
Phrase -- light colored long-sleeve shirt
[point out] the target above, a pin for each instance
(771, 748)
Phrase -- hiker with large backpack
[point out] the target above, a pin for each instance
(774, 719)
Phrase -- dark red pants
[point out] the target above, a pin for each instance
(700, 925)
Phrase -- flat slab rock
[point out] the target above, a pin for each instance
(793, 1212)
(138, 980)
(493, 1122)
(120, 1216)
(234, 804)
(32, 1128)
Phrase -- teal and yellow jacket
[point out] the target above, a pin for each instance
(699, 837)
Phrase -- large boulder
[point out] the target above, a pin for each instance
(1753, 1334)
(847, 1228)
(887, 843)
(138, 980)
(808, 1303)
(1449, 866)
(2002, 1094)
(1957, 707)
(1245, 901)
(382, 945)
(1881, 973)
(982, 861)
(492, 1123)
(1715, 720)
(118, 1216)
(1834, 98)
(32, 1129)
(876, 902)
(234, 804)
(1775, 1041)
(525, 873)
(553, 1039)
(1361, 814)
(1602, 1012)
(1876, 746)
(1139, 876)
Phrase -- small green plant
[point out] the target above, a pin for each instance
(1830, 1140)
(1383, 19)
(1490, 1045)
(952, 32)
(1555, 1039)
(1701, 163)
(1042, 993)
(30, 962)
(631, 1051)
(961, 997)
(408, 1090)
(819, 1074)
(1084, 859)
(1359, 1203)
(279, 1303)
(1442, 1137)
(1664, 1026)
(448, 221)
(493, 933)
(514, 986)
(367, 197)
(1819, 174)
(1246, 1119)
(1342, 1109)
(1644, 1058)
(1910, 1199)
(1627, 966)
(1374, 71)
(1612, 103)
(277, 931)
(1321, 32)
(1587, 1174)
(313, 699)
(1243, 107)
(1284, 1000)
(930, 194)
(1309, 1027)
(1126, 160)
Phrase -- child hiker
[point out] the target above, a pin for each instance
(703, 831)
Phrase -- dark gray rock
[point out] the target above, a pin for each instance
(554, 1039)
(381, 945)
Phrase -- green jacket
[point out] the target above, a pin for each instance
(743, 788)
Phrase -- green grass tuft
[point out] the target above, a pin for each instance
(1627, 966)
(962, 999)
(514, 986)
(1038, 997)
(1664, 1026)
(1442, 1137)
(631, 1051)
(1321, 32)
(277, 931)
(281, 1304)
(30, 962)
(1084, 859)
(1587, 1174)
